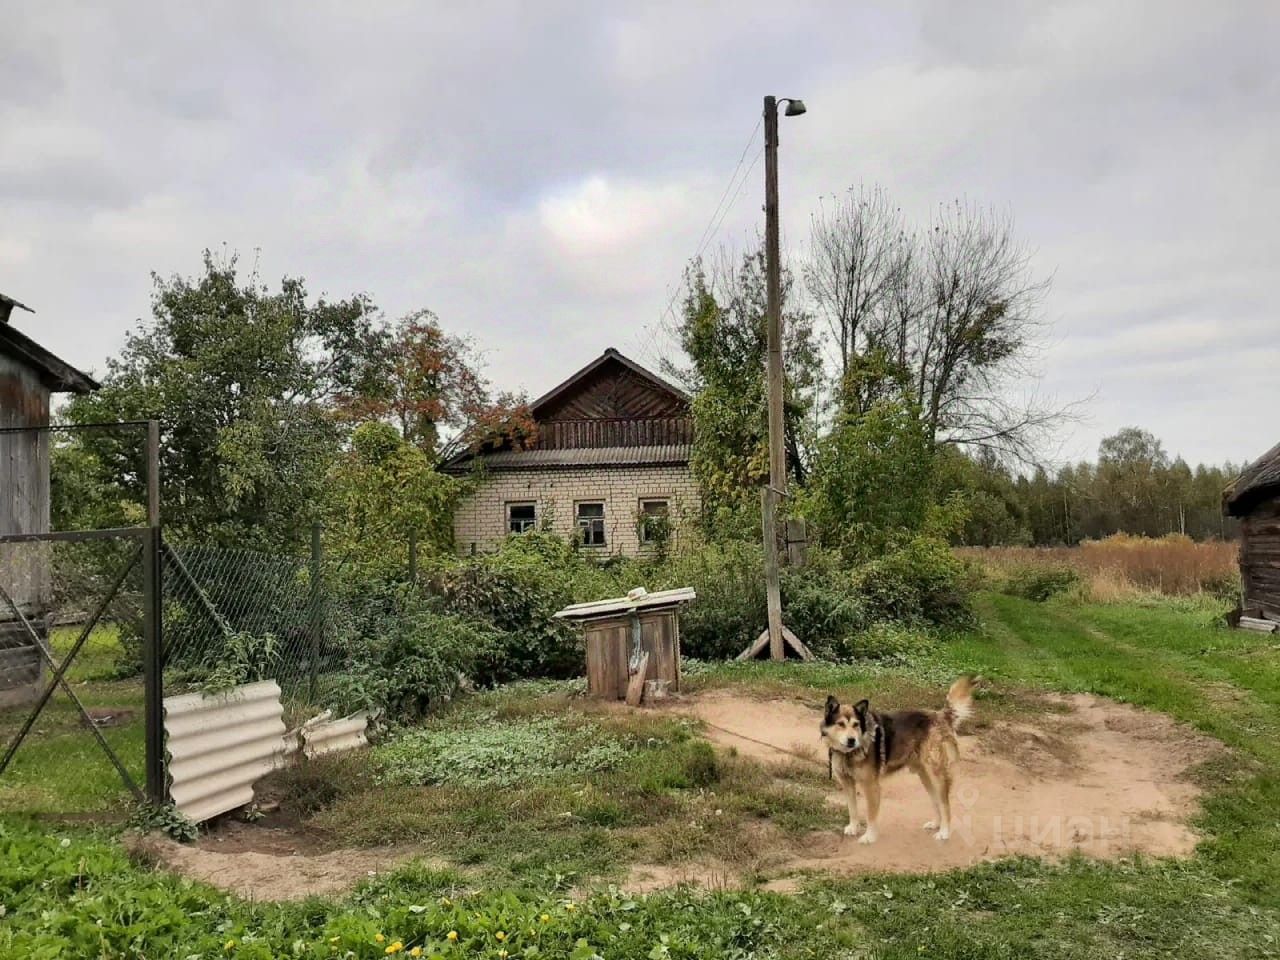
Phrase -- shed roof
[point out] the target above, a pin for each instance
(659, 600)
(1260, 478)
(55, 373)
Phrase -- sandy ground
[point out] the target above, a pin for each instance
(261, 863)
(1092, 776)
(1101, 778)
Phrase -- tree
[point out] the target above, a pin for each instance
(723, 332)
(425, 380)
(243, 380)
(872, 481)
(379, 490)
(952, 310)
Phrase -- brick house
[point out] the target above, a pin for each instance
(610, 466)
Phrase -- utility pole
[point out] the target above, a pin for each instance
(776, 636)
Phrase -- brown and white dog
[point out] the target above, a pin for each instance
(867, 745)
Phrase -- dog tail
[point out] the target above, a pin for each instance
(959, 706)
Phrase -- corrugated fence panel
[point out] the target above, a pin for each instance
(220, 745)
(334, 736)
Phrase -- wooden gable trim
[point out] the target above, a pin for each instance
(566, 387)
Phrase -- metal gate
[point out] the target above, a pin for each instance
(28, 653)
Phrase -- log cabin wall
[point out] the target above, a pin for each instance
(1260, 558)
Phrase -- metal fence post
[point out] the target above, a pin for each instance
(153, 664)
(315, 618)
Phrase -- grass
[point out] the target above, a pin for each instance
(70, 892)
(1123, 568)
(59, 769)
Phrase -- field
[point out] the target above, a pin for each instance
(1121, 567)
(541, 809)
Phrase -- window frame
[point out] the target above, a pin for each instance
(532, 522)
(645, 538)
(586, 526)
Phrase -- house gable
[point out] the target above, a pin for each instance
(611, 387)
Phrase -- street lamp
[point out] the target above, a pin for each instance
(776, 636)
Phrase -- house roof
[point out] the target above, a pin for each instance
(609, 355)
(55, 373)
(1255, 482)
(666, 455)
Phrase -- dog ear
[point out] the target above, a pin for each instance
(861, 708)
(833, 710)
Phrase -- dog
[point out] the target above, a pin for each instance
(867, 745)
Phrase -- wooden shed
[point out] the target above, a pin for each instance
(640, 629)
(29, 376)
(1255, 499)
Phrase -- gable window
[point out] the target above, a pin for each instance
(655, 520)
(591, 524)
(521, 517)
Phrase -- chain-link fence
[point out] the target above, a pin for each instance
(235, 616)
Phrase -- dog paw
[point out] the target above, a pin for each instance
(931, 825)
(868, 837)
(942, 835)
(852, 829)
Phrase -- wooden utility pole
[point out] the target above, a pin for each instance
(776, 636)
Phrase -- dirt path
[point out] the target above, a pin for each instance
(1103, 778)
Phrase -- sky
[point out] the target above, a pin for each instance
(539, 174)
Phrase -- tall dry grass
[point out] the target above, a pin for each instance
(1121, 567)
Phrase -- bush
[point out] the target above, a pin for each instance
(516, 592)
(730, 610)
(406, 656)
(918, 582)
(1039, 583)
(892, 642)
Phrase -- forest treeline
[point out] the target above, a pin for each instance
(1133, 487)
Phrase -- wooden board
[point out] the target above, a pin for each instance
(635, 685)
(608, 655)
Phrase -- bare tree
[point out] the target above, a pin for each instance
(951, 315)
(856, 254)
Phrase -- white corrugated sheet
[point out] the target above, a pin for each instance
(220, 744)
(322, 736)
(637, 600)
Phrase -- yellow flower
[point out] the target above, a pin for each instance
(453, 935)
(501, 936)
(545, 918)
(229, 946)
(502, 953)
(571, 907)
(379, 937)
(415, 952)
(394, 948)
(334, 939)
(446, 902)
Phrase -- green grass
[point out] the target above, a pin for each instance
(60, 769)
(71, 893)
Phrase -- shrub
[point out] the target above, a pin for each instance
(406, 656)
(516, 592)
(920, 581)
(1040, 583)
(730, 610)
(889, 642)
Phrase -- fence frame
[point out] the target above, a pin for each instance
(151, 545)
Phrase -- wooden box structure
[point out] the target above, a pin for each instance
(620, 632)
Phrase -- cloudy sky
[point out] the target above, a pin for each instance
(538, 173)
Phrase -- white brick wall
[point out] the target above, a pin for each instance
(481, 518)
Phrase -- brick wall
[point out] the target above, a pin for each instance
(481, 518)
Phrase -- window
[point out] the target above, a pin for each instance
(655, 520)
(520, 517)
(591, 524)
